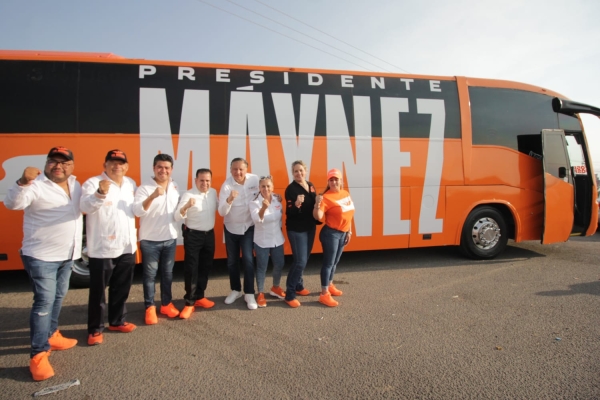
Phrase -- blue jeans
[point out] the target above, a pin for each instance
(262, 260)
(302, 244)
(233, 244)
(332, 241)
(155, 255)
(50, 283)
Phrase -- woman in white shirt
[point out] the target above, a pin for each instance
(266, 212)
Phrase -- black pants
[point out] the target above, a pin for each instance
(117, 274)
(199, 249)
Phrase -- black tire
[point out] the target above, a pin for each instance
(484, 234)
(80, 272)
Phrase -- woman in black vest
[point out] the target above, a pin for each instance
(301, 227)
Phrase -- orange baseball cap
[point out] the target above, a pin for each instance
(334, 173)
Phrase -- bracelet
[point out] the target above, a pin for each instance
(99, 192)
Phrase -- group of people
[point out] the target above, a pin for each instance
(53, 202)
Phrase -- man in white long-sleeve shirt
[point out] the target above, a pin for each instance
(155, 203)
(197, 209)
(52, 228)
(236, 192)
(111, 241)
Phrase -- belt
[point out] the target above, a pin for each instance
(196, 230)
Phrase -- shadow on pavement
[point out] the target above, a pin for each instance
(427, 257)
(592, 288)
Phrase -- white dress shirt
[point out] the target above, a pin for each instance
(237, 216)
(157, 223)
(201, 216)
(110, 219)
(52, 222)
(267, 231)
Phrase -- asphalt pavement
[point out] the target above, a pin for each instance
(411, 324)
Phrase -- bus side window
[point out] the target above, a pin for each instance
(505, 117)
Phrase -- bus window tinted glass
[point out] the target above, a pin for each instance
(568, 123)
(500, 116)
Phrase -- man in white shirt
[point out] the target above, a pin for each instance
(155, 203)
(107, 200)
(52, 229)
(197, 209)
(236, 193)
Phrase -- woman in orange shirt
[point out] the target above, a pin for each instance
(337, 207)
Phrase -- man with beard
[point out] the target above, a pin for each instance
(52, 229)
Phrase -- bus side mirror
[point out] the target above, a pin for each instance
(562, 172)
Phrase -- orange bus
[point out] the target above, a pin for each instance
(428, 160)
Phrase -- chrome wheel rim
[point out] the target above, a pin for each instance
(486, 233)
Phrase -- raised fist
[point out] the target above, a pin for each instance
(232, 195)
(158, 192)
(190, 203)
(104, 186)
(29, 174)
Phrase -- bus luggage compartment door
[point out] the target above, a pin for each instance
(558, 188)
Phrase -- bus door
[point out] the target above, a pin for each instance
(559, 196)
(583, 183)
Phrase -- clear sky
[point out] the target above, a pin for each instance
(549, 43)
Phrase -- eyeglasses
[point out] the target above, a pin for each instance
(266, 177)
(64, 164)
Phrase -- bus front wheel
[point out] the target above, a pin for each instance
(484, 234)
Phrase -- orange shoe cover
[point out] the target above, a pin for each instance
(169, 310)
(59, 342)
(151, 318)
(204, 303)
(95, 338)
(327, 300)
(40, 366)
(293, 303)
(125, 328)
(186, 312)
(334, 291)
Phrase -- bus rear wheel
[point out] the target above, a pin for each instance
(484, 234)
(80, 271)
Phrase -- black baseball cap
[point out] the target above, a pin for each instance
(61, 151)
(117, 155)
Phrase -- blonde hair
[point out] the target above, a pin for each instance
(298, 162)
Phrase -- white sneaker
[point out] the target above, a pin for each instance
(233, 296)
(250, 301)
